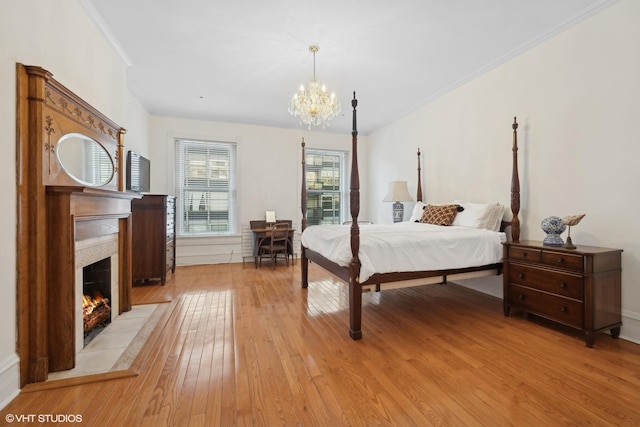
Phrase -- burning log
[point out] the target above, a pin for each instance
(95, 311)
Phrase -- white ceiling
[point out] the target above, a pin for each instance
(241, 60)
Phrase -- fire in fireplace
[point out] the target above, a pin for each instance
(95, 311)
(96, 294)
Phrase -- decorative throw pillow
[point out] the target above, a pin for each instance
(418, 210)
(439, 214)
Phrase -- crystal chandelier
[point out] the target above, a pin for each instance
(314, 104)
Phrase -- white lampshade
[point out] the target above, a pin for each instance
(398, 192)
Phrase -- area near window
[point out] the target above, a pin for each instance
(206, 188)
(327, 199)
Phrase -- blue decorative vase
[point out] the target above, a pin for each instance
(554, 227)
(398, 212)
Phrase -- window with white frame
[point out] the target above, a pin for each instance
(205, 187)
(327, 198)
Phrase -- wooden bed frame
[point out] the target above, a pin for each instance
(351, 273)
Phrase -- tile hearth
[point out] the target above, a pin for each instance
(104, 352)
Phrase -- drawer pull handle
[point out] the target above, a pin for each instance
(520, 297)
(525, 254)
(560, 260)
(563, 309)
(520, 275)
(563, 285)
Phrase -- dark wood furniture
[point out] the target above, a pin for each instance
(578, 287)
(154, 231)
(261, 232)
(277, 243)
(56, 211)
(351, 274)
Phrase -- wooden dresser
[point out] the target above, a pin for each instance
(579, 287)
(153, 237)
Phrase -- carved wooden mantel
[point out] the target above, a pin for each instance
(54, 212)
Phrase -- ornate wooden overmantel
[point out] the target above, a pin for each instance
(54, 211)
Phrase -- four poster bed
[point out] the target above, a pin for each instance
(375, 257)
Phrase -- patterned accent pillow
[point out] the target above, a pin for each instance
(439, 214)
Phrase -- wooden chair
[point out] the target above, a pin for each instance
(278, 244)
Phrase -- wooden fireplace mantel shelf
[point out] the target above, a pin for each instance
(93, 191)
(92, 203)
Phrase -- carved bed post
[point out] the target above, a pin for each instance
(515, 187)
(419, 191)
(355, 290)
(303, 200)
(304, 267)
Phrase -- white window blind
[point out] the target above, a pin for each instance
(206, 187)
(326, 186)
(97, 167)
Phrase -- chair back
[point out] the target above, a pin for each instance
(279, 232)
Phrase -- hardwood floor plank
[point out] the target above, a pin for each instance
(249, 347)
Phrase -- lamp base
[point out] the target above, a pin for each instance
(398, 212)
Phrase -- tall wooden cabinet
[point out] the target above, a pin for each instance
(153, 237)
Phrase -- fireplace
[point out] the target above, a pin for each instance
(96, 298)
(63, 221)
(96, 287)
(90, 226)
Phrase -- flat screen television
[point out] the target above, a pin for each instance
(138, 173)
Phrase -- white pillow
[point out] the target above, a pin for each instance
(498, 213)
(473, 214)
(479, 215)
(417, 212)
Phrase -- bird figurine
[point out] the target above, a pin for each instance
(569, 221)
(572, 219)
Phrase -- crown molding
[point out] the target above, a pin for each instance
(95, 16)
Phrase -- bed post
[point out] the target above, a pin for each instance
(304, 267)
(419, 192)
(515, 187)
(355, 289)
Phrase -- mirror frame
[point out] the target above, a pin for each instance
(81, 154)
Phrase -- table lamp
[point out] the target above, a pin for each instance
(398, 193)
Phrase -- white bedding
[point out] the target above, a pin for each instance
(407, 246)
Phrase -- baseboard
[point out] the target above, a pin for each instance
(490, 285)
(630, 330)
(9, 379)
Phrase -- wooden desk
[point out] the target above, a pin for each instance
(261, 231)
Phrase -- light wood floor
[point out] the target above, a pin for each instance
(246, 346)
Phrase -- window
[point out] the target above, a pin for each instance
(206, 187)
(326, 187)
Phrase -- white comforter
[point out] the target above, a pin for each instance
(406, 246)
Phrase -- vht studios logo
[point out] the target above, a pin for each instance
(43, 418)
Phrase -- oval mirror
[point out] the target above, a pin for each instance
(84, 159)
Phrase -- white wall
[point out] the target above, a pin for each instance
(576, 98)
(58, 36)
(269, 175)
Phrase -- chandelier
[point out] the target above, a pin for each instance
(314, 104)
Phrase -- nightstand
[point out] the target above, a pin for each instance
(579, 288)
